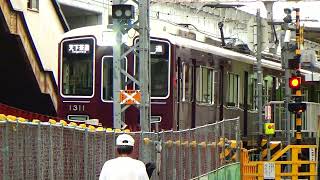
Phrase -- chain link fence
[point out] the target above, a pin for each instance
(41, 151)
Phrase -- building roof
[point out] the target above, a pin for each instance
(62, 19)
(312, 34)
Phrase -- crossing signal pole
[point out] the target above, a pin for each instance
(123, 16)
(296, 107)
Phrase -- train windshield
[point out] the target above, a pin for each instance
(77, 67)
(159, 51)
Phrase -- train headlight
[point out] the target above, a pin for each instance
(109, 38)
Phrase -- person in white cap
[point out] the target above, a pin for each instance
(124, 167)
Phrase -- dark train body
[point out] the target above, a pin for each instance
(193, 80)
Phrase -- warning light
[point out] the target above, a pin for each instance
(294, 82)
(269, 128)
(297, 107)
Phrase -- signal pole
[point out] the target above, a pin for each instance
(259, 71)
(122, 15)
(298, 93)
(117, 28)
(285, 53)
(296, 107)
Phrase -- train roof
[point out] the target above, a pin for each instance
(168, 32)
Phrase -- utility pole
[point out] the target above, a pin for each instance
(259, 70)
(144, 64)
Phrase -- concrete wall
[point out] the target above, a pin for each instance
(79, 21)
(46, 29)
(100, 6)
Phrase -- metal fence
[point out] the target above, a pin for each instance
(53, 151)
(309, 119)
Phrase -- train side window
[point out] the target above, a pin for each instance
(107, 78)
(317, 93)
(267, 89)
(252, 93)
(305, 94)
(187, 83)
(205, 85)
(160, 68)
(233, 89)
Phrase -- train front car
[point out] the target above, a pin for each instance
(86, 79)
(81, 56)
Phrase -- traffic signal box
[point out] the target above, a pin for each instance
(122, 11)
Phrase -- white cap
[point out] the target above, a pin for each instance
(124, 140)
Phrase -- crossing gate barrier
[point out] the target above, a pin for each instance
(299, 166)
(230, 150)
(275, 147)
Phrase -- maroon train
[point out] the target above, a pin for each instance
(194, 81)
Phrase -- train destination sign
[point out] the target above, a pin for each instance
(79, 48)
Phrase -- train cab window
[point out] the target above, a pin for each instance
(187, 82)
(205, 77)
(107, 78)
(160, 74)
(233, 89)
(77, 67)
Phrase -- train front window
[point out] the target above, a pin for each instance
(77, 67)
(159, 68)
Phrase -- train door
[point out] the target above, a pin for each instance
(185, 96)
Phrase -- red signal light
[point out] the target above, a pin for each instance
(295, 82)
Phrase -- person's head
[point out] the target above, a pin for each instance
(124, 144)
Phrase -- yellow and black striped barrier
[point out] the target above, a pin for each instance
(275, 147)
(230, 150)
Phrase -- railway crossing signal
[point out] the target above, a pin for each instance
(295, 82)
(294, 63)
(123, 17)
(297, 106)
(122, 11)
(269, 128)
(130, 97)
